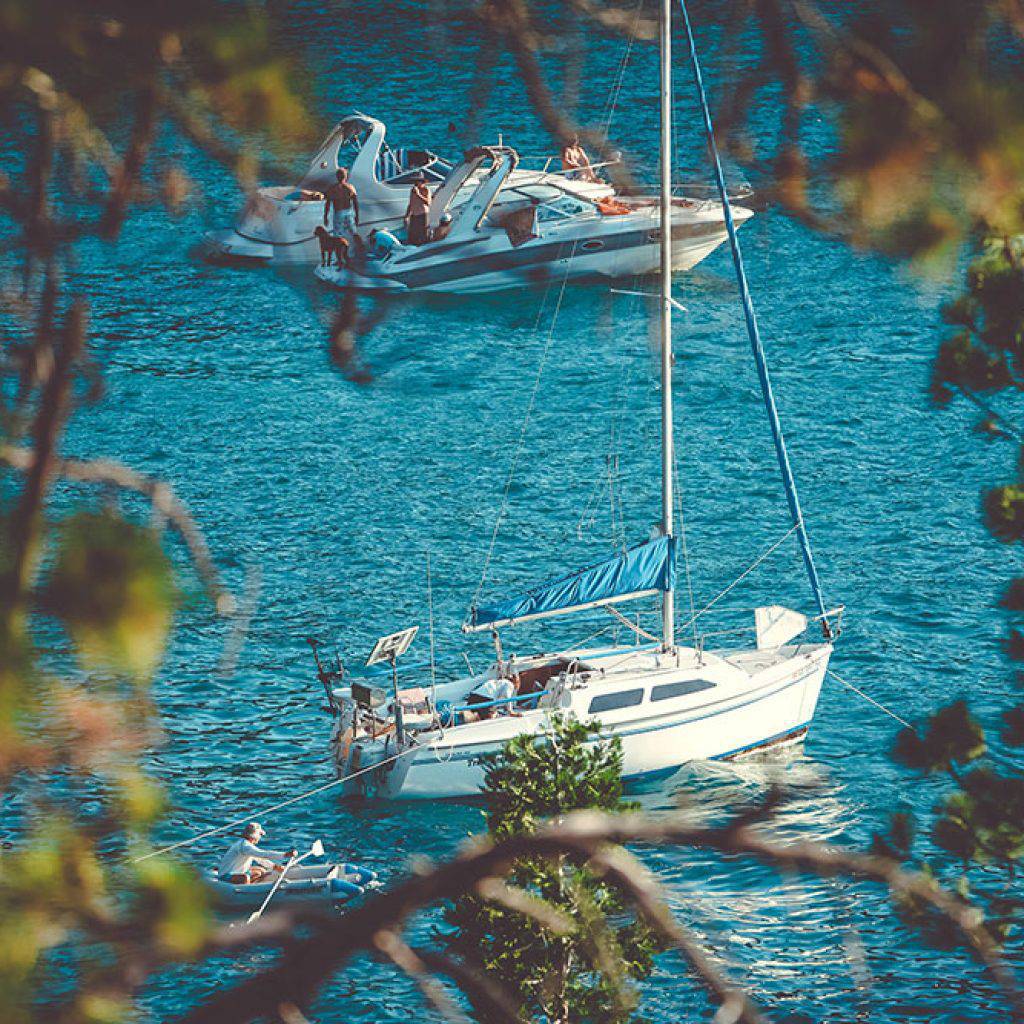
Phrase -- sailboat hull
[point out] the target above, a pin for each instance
(750, 701)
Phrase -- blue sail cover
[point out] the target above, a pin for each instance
(641, 571)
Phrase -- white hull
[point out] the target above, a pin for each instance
(642, 260)
(590, 248)
(751, 700)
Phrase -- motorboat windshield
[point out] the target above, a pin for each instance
(358, 143)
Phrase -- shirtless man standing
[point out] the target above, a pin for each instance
(417, 213)
(342, 196)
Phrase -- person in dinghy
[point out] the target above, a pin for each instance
(246, 862)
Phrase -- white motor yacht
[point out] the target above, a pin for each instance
(278, 222)
(495, 227)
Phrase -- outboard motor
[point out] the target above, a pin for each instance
(330, 676)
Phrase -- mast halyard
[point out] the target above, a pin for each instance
(667, 526)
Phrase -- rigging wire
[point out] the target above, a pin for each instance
(613, 96)
(607, 480)
(746, 572)
(683, 544)
(753, 330)
(265, 811)
(503, 508)
(430, 622)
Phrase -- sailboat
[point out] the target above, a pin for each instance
(668, 703)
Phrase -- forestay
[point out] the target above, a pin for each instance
(642, 571)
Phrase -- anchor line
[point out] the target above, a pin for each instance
(869, 699)
(263, 812)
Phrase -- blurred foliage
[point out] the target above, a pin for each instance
(923, 105)
(926, 101)
(978, 822)
(86, 91)
(583, 974)
(111, 587)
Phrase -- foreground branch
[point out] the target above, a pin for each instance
(159, 494)
(327, 941)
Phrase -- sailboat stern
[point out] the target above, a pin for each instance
(372, 766)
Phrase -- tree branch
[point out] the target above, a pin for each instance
(307, 962)
(46, 429)
(131, 166)
(629, 875)
(159, 494)
(408, 961)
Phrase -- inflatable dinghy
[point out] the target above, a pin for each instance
(326, 883)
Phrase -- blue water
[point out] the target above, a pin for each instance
(329, 486)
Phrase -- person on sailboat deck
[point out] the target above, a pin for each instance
(489, 690)
(245, 862)
(575, 162)
(342, 197)
(417, 212)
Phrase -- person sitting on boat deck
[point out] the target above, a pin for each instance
(342, 197)
(417, 212)
(491, 690)
(443, 227)
(246, 862)
(381, 243)
(575, 162)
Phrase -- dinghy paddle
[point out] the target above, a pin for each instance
(316, 850)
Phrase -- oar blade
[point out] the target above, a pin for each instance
(317, 849)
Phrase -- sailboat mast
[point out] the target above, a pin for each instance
(665, 41)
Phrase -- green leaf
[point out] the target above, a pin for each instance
(112, 587)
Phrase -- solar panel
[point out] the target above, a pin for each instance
(392, 646)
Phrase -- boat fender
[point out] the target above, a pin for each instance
(446, 713)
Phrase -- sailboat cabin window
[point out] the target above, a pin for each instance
(666, 691)
(615, 701)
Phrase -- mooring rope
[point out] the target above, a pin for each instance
(871, 700)
(264, 811)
